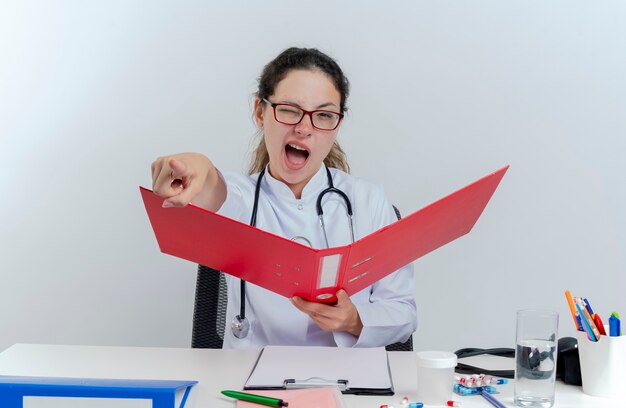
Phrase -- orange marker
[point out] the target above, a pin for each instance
(572, 309)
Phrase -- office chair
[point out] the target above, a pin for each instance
(209, 313)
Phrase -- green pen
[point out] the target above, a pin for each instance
(258, 399)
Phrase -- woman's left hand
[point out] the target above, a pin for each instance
(341, 316)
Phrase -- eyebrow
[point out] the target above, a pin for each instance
(324, 105)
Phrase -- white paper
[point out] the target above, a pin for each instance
(81, 402)
(362, 367)
(30, 401)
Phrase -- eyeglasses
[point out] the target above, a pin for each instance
(292, 115)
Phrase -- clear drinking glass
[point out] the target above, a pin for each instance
(535, 358)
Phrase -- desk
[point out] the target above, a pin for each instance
(225, 369)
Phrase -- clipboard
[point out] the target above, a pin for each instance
(359, 371)
(291, 269)
(24, 391)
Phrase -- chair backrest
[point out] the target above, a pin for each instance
(209, 313)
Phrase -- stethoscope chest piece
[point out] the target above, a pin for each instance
(240, 327)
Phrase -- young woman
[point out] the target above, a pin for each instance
(298, 109)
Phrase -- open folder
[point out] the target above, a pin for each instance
(363, 371)
(292, 269)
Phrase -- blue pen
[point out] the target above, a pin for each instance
(588, 306)
(492, 400)
(614, 326)
(590, 334)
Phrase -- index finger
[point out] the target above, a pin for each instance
(164, 183)
(178, 169)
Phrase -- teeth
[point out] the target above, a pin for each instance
(297, 147)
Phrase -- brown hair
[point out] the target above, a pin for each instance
(276, 70)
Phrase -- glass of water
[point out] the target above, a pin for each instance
(535, 358)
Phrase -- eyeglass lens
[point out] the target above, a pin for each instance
(291, 115)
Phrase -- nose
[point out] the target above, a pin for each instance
(305, 126)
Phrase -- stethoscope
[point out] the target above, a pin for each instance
(240, 324)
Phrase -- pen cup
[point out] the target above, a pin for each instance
(602, 365)
(435, 376)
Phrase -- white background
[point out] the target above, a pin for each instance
(443, 93)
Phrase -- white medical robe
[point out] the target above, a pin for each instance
(387, 308)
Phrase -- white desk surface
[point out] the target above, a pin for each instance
(218, 370)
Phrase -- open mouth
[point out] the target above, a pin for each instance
(296, 155)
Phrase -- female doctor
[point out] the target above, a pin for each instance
(298, 110)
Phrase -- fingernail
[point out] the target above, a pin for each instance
(167, 204)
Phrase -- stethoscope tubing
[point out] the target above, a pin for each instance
(240, 324)
(257, 191)
(320, 211)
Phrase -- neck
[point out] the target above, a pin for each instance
(296, 188)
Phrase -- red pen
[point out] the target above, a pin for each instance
(598, 321)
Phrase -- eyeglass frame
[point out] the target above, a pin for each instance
(304, 113)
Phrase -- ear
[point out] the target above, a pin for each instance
(259, 109)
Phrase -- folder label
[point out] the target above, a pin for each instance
(329, 267)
